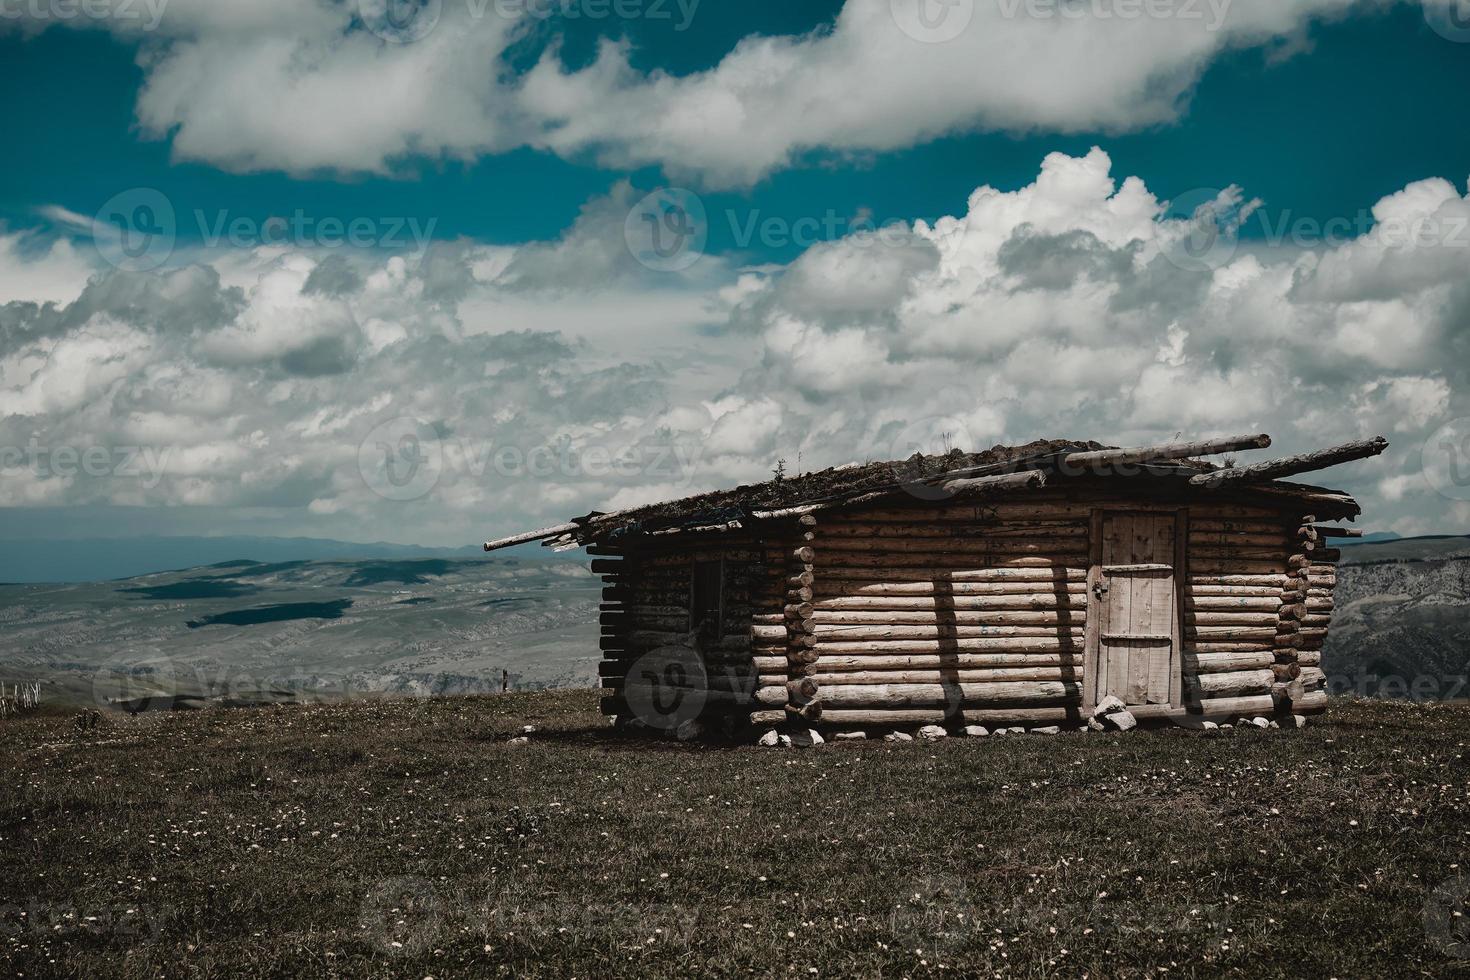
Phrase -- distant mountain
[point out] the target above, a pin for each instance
(246, 632)
(102, 559)
(1372, 548)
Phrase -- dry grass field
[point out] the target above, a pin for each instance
(409, 838)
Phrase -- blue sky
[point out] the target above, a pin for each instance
(256, 370)
(1355, 117)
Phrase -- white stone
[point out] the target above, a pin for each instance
(1227, 727)
(1260, 722)
(1047, 730)
(1300, 721)
(785, 741)
(806, 739)
(1095, 724)
(1108, 706)
(932, 732)
(976, 731)
(1122, 720)
(769, 740)
(528, 730)
(849, 736)
(1209, 726)
(898, 737)
(1275, 723)
(520, 740)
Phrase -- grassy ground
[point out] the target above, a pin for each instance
(406, 838)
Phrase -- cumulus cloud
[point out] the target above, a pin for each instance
(477, 391)
(327, 92)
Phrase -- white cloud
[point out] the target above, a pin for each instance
(303, 87)
(1054, 310)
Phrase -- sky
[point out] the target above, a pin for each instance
(433, 271)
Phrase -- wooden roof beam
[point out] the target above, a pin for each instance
(1290, 465)
(1173, 450)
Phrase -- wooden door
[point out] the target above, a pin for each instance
(1138, 655)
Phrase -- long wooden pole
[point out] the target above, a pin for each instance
(1173, 450)
(1290, 465)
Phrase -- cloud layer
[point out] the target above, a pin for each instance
(332, 86)
(478, 390)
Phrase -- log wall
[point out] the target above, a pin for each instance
(978, 612)
(646, 617)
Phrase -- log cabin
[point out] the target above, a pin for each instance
(1019, 586)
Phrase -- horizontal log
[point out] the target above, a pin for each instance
(1207, 708)
(838, 663)
(849, 561)
(1195, 646)
(848, 634)
(1217, 618)
(1231, 684)
(1014, 644)
(995, 675)
(950, 617)
(909, 717)
(1311, 703)
(1094, 460)
(837, 550)
(1017, 601)
(1275, 579)
(995, 570)
(1224, 663)
(1043, 693)
(1199, 603)
(919, 530)
(831, 589)
(996, 483)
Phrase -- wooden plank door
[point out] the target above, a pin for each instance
(1138, 657)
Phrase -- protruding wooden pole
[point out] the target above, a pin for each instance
(1174, 450)
(1290, 465)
